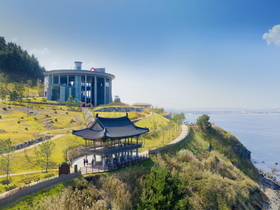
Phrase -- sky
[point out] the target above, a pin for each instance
(179, 54)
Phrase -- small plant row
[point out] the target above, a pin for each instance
(27, 181)
(119, 109)
(30, 142)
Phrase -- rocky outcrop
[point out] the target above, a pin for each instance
(240, 149)
(271, 188)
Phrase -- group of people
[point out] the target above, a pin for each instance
(114, 165)
(93, 162)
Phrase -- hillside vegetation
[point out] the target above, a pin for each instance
(22, 122)
(187, 176)
(16, 65)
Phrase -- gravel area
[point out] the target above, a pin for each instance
(271, 188)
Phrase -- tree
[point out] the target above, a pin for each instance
(6, 152)
(162, 190)
(17, 64)
(29, 85)
(177, 120)
(19, 88)
(39, 88)
(203, 123)
(72, 103)
(3, 86)
(17, 93)
(45, 152)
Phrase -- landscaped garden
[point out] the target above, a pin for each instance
(22, 122)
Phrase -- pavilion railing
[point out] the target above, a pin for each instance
(111, 167)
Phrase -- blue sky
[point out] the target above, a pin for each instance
(173, 54)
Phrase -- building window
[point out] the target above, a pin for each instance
(55, 79)
(71, 80)
(63, 79)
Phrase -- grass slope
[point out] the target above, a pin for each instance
(213, 180)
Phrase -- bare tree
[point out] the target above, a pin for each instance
(6, 152)
(45, 152)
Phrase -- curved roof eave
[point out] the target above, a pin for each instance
(73, 71)
(126, 136)
(89, 134)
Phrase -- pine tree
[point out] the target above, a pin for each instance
(162, 190)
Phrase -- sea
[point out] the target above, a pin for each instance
(259, 133)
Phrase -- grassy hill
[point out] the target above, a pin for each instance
(22, 122)
(187, 176)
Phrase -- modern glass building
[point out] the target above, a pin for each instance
(90, 86)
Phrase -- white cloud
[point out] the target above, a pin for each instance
(273, 35)
(40, 51)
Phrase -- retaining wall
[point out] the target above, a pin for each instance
(36, 187)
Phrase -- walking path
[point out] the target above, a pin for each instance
(33, 145)
(79, 160)
(97, 168)
(184, 134)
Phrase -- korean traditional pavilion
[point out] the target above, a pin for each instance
(114, 139)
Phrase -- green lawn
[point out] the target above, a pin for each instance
(20, 127)
(23, 179)
(44, 121)
(161, 131)
(26, 160)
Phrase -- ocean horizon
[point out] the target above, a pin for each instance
(259, 133)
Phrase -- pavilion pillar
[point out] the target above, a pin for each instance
(119, 157)
(137, 153)
(111, 160)
(125, 156)
(103, 161)
(86, 149)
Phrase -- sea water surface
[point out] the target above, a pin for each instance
(259, 133)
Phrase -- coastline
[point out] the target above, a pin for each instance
(271, 188)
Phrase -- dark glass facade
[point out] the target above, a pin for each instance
(93, 87)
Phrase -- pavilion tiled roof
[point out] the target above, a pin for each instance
(115, 128)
